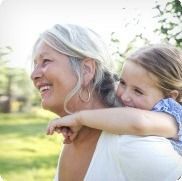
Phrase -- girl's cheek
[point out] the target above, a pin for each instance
(119, 91)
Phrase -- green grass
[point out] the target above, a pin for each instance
(26, 152)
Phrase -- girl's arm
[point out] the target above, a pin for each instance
(125, 120)
(132, 121)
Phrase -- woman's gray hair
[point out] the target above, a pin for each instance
(79, 43)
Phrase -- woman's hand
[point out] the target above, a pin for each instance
(69, 126)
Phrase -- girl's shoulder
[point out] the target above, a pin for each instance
(173, 108)
(170, 106)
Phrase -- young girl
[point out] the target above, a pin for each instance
(151, 79)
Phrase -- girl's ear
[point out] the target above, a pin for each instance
(88, 69)
(174, 94)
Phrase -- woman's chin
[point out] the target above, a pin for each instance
(46, 105)
(53, 108)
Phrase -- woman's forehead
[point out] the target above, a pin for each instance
(42, 49)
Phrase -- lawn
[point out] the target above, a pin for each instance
(26, 152)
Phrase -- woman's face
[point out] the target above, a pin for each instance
(53, 77)
(138, 88)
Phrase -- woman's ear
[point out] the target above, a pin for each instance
(174, 94)
(88, 69)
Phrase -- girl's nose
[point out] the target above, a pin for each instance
(125, 97)
(123, 94)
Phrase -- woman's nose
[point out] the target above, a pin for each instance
(36, 73)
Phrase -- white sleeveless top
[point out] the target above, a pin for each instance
(133, 158)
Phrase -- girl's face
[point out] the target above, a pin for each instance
(53, 77)
(138, 88)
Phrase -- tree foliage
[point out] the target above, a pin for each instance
(120, 54)
(170, 21)
(15, 83)
(3, 67)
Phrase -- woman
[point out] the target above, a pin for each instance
(72, 74)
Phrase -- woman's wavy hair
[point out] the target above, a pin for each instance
(79, 43)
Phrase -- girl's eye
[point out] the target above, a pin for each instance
(138, 92)
(122, 83)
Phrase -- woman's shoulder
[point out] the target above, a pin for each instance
(122, 141)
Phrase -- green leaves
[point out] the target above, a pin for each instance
(170, 21)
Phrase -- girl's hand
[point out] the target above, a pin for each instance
(69, 126)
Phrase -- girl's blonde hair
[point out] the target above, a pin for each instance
(165, 62)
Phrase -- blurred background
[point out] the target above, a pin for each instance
(26, 152)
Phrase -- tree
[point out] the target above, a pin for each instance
(3, 66)
(119, 55)
(15, 84)
(169, 18)
(5, 81)
(170, 21)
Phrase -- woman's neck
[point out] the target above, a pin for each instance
(87, 134)
(75, 106)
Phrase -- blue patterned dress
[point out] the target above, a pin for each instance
(173, 108)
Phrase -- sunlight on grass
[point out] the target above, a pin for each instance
(27, 153)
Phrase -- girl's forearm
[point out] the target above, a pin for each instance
(128, 120)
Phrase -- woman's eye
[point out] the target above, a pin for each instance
(46, 61)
